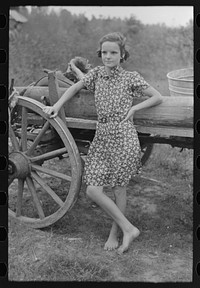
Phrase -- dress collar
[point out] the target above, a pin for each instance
(113, 72)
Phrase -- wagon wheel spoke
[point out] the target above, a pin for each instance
(13, 138)
(10, 179)
(37, 139)
(49, 155)
(39, 180)
(51, 172)
(19, 197)
(24, 129)
(32, 189)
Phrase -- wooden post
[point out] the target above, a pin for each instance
(54, 94)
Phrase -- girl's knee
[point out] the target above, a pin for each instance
(89, 191)
(119, 191)
(92, 190)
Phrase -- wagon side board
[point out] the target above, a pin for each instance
(174, 116)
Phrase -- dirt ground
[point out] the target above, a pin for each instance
(159, 204)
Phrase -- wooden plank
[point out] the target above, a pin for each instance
(162, 130)
(81, 123)
(166, 131)
(173, 112)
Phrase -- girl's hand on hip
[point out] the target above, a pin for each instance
(50, 111)
(129, 116)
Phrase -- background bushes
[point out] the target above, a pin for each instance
(50, 40)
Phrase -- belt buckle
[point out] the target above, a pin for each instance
(103, 120)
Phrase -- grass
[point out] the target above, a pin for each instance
(159, 204)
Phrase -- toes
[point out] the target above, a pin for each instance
(120, 250)
(111, 245)
(110, 248)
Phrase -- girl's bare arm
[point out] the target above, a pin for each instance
(52, 111)
(76, 70)
(155, 99)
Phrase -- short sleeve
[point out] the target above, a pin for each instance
(89, 79)
(138, 84)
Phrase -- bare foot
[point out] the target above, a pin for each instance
(127, 239)
(111, 244)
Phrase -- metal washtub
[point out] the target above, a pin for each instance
(181, 82)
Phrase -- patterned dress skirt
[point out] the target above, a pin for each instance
(114, 155)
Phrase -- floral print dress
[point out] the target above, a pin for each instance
(115, 154)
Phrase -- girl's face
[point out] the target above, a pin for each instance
(110, 54)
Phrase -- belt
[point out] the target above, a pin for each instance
(106, 119)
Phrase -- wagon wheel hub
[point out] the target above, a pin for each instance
(18, 165)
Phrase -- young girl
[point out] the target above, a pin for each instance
(114, 155)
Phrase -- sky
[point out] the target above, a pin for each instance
(169, 15)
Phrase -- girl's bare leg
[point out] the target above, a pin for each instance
(120, 200)
(129, 231)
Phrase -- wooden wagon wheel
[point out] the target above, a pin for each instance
(35, 191)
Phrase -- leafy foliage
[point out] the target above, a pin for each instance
(50, 40)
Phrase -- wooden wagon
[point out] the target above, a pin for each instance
(38, 144)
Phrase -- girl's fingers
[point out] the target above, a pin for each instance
(48, 110)
(127, 118)
(124, 120)
(71, 63)
(53, 115)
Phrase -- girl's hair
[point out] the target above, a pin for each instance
(119, 39)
